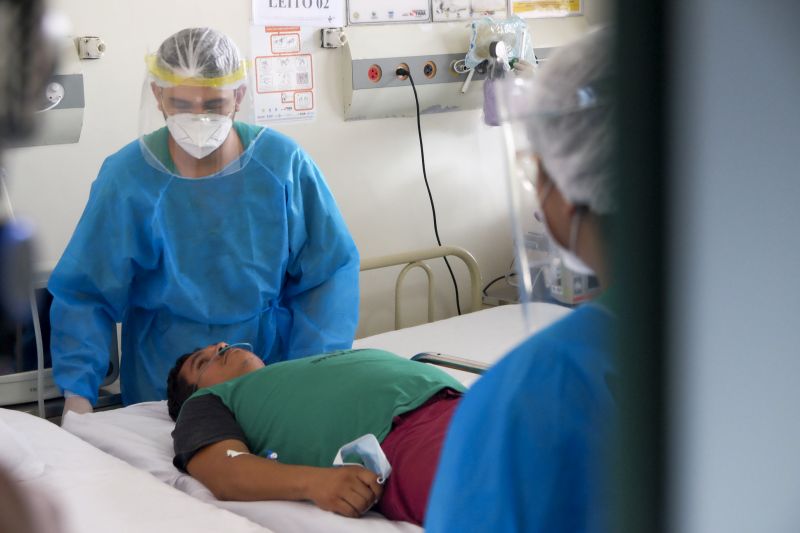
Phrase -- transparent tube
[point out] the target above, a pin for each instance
(532, 250)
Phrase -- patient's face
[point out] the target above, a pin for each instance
(206, 367)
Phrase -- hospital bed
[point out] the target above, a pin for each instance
(91, 491)
(141, 434)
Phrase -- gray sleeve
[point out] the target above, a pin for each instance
(203, 421)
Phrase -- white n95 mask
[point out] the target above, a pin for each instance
(199, 134)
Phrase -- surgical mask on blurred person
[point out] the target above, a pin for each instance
(570, 259)
(199, 134)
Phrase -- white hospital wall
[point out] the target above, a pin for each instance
(373, 167)
(735, 466)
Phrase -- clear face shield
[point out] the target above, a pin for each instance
(186, 125)
(530, 124)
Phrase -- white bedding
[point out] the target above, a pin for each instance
(483, 336)
(94, 492)
(140, 434)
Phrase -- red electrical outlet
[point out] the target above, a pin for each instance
(374, 73)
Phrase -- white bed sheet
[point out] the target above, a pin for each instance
(484, 336)
(141, 434)
(94, 492)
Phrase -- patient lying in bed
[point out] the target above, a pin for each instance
(254, 432)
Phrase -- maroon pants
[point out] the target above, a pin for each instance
(412, 448)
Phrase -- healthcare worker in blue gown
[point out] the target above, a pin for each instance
(205, 228)
(525, 450)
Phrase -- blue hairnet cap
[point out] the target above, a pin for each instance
(571, 126)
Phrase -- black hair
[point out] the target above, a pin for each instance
(178, 389)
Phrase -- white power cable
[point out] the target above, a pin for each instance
(460, 67)
(54, 94)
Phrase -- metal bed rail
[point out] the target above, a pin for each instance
(416, 259)
(450, 361)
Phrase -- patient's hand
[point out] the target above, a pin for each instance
(345, 490)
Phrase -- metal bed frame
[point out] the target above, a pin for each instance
(416, 259)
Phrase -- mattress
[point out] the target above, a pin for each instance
(91, 491)
(140, 434)
(483, 336)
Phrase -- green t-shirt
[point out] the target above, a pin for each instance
(306, 409)
(157, 142)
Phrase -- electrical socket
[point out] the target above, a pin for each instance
(438, 70)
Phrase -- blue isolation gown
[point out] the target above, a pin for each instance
(260, 255)
(525, 449)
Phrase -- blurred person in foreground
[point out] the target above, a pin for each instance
(526, 449)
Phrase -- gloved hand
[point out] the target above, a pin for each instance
(77, 404)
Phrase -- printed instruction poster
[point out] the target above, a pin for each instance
(284, 75)
(546, 8)
(387, 11)
(446, 10)
(316, 13)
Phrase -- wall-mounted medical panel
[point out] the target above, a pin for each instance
(60, 116)
(373, 54)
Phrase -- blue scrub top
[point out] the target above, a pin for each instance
(526, 448)
(261, 255)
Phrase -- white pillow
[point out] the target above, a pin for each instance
(17, 455)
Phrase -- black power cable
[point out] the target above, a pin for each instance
(495, 280)
(404, 72)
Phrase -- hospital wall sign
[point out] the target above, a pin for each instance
(316, 13)
(283, 73)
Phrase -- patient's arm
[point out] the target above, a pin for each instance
(347, 490)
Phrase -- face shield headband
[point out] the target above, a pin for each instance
(164, 77)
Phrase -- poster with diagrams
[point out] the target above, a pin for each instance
(284, 75)
(448, 10)
(387, 11)
(546, 8)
